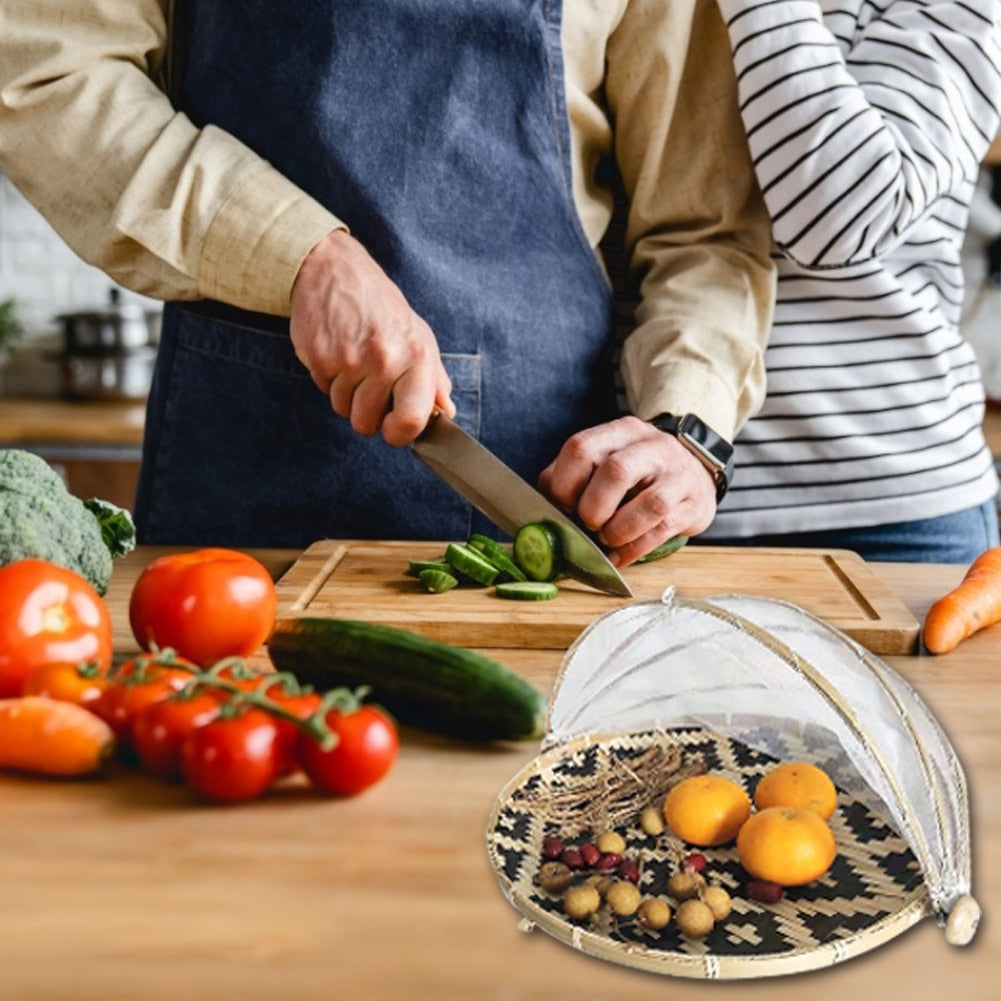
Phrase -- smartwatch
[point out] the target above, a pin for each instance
(710, 448)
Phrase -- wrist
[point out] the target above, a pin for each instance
(711, 449)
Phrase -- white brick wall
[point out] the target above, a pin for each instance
(41, 272)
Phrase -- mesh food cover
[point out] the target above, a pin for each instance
(775, 682)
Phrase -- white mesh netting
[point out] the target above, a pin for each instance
(762, 671)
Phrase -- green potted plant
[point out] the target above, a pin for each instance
(11, 331)
(11, 327)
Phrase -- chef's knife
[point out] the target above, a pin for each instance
(509, 502)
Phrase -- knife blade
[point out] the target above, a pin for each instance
(509, 502)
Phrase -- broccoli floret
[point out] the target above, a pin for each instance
(40, 518)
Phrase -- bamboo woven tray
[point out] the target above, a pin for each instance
(873, 892)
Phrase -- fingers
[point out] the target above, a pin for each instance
(597, 467)
(341, 390)
(443, 395)
(363, 345)
(416, 397)
(399, 410)
(366, 407)
(633, 485)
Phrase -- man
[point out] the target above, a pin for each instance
(399, 203)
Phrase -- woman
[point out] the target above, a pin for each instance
(867, 121)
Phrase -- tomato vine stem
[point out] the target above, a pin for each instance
(230, 674)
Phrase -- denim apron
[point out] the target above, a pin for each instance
(437, 130)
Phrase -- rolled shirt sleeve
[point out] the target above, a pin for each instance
(698, 227)
(132, 186)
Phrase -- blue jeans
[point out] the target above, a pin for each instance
(952, 538)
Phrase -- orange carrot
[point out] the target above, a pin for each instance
(50, 737)
(972, 605)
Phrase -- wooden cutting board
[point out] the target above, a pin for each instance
(368, 581)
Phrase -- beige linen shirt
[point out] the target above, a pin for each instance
(176, 212)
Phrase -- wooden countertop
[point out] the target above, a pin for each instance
(29, 421)
(124, 889)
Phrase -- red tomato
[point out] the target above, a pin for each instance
(245, 677)
(48, 614)
(366, 748)
(80, 683)
(206, 605)
(301, 705)
(136, 684)
(233, 758)
(161, 728)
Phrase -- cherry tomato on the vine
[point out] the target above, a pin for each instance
(367, 745)
(302, 705)
(79, 683)
(48, 614)
(206, 605)
(135, 685)
(161, 728)
(244, 676)
(233, 758)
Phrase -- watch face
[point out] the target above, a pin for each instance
(707, 441)
(712, 450)
(707, 457)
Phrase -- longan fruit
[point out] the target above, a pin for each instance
(654, 913)
(695, 919)
(652, 821)
(610, 843)
(581, 901)
(718, 901)
(685, 885)
(600, 882)
(554, 877)
(623, 897)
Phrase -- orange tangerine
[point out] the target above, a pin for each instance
(706, 810)
(797, 784)
(785, 845)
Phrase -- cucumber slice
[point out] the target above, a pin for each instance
(527, 590)
(437, 581)
(471, 563)
(477, 541)
(497, 554)
(537, 551)
(664, 549)
(416, 567)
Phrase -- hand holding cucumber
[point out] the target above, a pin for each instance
(633, 485)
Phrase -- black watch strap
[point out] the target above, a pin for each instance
(709, 447)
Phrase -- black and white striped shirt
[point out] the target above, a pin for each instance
(867, 120)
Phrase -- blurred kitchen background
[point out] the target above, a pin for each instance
(83, 337)
(74, 378)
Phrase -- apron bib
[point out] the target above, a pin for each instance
(437, 130)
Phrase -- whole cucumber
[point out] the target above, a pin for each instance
(422, 682)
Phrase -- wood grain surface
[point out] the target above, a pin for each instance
(36, 422)
(125, 889)
(368, 581)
